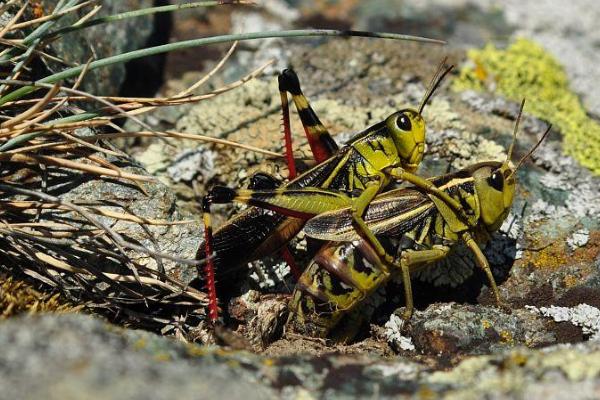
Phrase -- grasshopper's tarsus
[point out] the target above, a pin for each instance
(483, 263)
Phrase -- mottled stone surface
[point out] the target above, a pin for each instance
(458, 345)
(73, 357)
(102, 41)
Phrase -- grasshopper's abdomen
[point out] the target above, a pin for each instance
(338, 279)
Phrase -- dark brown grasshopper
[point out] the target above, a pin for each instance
(389, 150)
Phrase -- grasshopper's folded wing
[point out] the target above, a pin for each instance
(391, 214)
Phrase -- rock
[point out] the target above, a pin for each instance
(553, 373)
(76, 356)
(158, 202)
(570, 34)
(102, 41)
(451, 330)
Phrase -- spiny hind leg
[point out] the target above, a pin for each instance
(295, 202)
(209, 267)
(258, 181)
(321, 143)
(287, 132)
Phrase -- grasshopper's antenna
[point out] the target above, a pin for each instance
(516, 129)
(526, 156)
(435, 83)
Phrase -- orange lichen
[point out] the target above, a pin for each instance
(548, 257)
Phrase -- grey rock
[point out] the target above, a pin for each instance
(102, 41)
(449, 330)
(568, 33)
(74, 357)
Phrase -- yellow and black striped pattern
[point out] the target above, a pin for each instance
(346, 270)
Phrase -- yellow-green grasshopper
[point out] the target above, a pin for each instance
(415, 227)
(389, 150)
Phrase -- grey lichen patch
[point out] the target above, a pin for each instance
(393, 333)
(582, 315)
(564, 371)
(451, 329)
(578, 239)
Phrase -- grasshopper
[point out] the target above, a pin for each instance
(414, 226)
(389, 150)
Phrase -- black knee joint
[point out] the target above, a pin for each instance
(263, 181)
(218, 195)
(289, 82)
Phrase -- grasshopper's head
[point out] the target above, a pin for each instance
(495, 183)
(407, 127)
(495, 186)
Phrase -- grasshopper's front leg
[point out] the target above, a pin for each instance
(403, 175)
(483, 264)
(411, 260)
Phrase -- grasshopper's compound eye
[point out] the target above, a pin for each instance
(403, 122)
(496, 180)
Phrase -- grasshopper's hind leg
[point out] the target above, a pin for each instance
(321, 143)
(259, 181)
(287, 132)
(209, 267)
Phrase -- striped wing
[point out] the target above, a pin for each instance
(392, 214)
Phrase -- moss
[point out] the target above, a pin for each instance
(17, 297)
(525, 69)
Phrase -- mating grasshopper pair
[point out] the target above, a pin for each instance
(391, 149)
(373, 237)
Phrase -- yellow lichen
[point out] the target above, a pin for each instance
(140, 344)
(17, 297)
(570, 281)
(549, 257)
(525, 69)
(163, 357)
(507, 337)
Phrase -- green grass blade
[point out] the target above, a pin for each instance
(185, 44)
(139, 13)
(42, 29)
